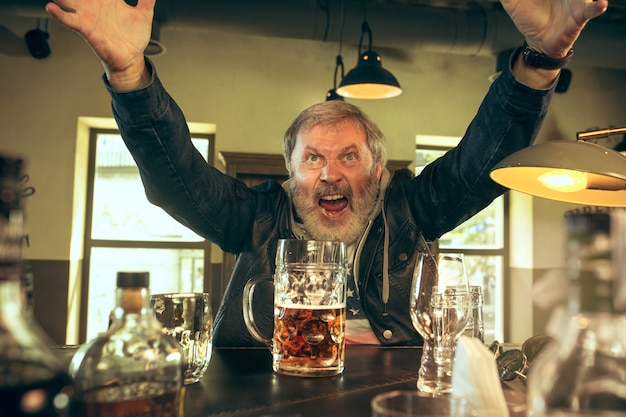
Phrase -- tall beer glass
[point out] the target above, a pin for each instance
(309, 308)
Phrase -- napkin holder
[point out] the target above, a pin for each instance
(475, 377)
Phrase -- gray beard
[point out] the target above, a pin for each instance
(347, 231)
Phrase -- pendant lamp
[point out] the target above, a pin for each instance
(332, 93)
(369, 80)
(570, 171)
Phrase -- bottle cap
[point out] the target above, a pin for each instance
(133, 279)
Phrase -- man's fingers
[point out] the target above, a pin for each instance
(596, 8)
(64, 7)
(61, 15)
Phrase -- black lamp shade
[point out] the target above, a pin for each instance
(369, 80)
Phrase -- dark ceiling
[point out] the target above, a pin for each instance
(400, 27)
(616, 11)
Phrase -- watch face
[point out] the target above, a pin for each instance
(530, 57)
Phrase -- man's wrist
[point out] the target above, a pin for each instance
(131, 79)
(536, 59)
(533, 77)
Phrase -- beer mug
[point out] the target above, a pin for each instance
(187, 317)
(309, 308)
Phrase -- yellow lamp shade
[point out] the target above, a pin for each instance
(568, 171)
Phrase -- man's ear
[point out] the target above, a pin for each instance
(379, 171)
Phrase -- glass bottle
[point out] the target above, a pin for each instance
(584, 373)
(133, 368)
(33, 380)
(475, 324)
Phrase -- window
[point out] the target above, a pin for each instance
(124, 232)
(481, 238)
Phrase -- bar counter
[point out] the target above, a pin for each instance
(240, 382)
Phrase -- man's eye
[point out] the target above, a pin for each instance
(314, 161)
(350, 159)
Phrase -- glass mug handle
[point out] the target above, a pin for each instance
(248, 315)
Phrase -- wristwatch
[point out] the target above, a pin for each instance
(536, 59)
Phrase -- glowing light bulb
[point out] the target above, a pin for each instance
(564, 180)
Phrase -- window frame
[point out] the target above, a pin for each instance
(89, 243)
(500, 331)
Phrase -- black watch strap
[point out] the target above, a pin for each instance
(536, 59)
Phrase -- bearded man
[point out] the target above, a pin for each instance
(339, 187)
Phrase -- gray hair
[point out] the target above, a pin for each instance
(330, 113)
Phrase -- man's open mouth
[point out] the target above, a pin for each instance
(333, 205)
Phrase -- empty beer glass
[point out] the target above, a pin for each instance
(439, 307)
(187, 317)
(309, 308)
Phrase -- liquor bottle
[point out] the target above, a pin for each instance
(584, 372)
(33, 380)
(133, 368)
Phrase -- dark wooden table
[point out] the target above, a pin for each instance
(241, 382)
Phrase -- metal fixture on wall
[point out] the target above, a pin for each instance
(565, 79)
(502, 60)
(571, 171)
(369, 80)
(155, 47)
(37, 40)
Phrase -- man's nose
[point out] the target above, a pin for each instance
(331, 173)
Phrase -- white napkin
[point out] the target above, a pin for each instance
(475, 377)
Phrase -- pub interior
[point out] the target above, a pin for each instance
(242, 72)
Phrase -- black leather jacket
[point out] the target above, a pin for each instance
(249, 221)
